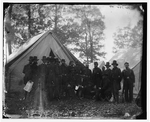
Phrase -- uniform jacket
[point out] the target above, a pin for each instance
(63, 69)
(107, 73)
(128, 77)
(97, 76)
(27, 70)
(116, 77)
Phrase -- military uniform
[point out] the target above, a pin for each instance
(97, 80)
(128, 80)
(116, 79)
(106, 83)
(35, 78)
(42, 82)
(50, 80)
(87, 77)
(97, 77)
(63, 78)
(28, 73)
(57, 79)
(71, 81)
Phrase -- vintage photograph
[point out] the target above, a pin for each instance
(73, 60)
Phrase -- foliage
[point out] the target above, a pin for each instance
(73, 24)
(91, 34)
(129, 37)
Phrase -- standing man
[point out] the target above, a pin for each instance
(116, 79)
(63, 77)
(97, 79)
(97, 75)
(27, 71)
(71, 80)
(128, 82)
(57, 81)
(106, 82)
(50, 80)
(42, 80)
(87, 76)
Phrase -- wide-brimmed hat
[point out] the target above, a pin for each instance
(107, 64)
(126, 63)
(35, 58)
(31, 58)
(115, 62)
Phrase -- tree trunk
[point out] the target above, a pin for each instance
(29, 21)
(56, 19)
(91, 42)
(86, 41)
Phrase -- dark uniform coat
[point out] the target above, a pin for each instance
(97, 77)
(116, 79)
(71, 81)
(63, 79)
(27, 71)
(57, 81)
(35, 79)
(87, 77)
(106, 84)
(50, 80)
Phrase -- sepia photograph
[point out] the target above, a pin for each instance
(80, 61)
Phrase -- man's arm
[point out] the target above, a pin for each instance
(133, 77)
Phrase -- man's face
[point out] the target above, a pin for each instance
(104, 68)
(95, 65)
(63, 62)
(126, 65)
(114, 65)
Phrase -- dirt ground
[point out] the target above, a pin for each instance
(15, 107)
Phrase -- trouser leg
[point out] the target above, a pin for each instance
(25, 94)
(117, 96)
(131, 93)
(126, 94)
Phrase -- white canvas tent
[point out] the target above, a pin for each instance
(133, 56)
(40, 45)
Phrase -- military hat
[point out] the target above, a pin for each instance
(115, 62)
(35, 58)
(126, 63)
(31, 58)
(107, 64)
(63, 60)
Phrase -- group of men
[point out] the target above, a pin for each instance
(110, 81)
(75, 80)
